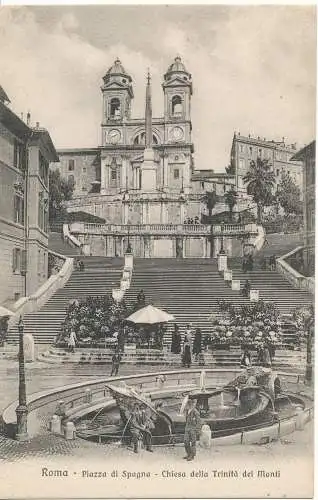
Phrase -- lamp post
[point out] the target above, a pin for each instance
(222, 238)
(129, 249)
(21, 410)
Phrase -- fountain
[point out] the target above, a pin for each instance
(247, 400)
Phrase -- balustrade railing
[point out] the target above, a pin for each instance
(199, 229)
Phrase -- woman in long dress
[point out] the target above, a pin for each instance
(186, 355)
(197, 347)
(176, 340)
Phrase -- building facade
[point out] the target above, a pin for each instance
(25, 155)
(247, 148)
(307, 156)
(141, 179)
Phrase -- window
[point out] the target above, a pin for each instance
(19, 155)
(176, 173)
(43, 169)
(18, 215)
(113, 174)
(241, 148)
(260, 152)
(71, 178)
(140, 139)
(84, 169)
(202, 185)
(115, 112)
(16, 260)
(71, 164)
(251, 151)
(176, 105)
(288, 171)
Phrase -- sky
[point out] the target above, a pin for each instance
(253, 68)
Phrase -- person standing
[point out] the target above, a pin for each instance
(176, 340)
(191, 430)
(188, 333)
(136, 427)
(141, 299)
(246, 288)
(186, 355)
(197, 347)
(116, 359)
(246, 359)
(148, 427)
(72, 341)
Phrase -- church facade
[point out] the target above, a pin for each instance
(142, 175)
(116, 168)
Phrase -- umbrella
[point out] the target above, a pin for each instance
(5, 312)
(150, 315)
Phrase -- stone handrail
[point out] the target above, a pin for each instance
(35, 301)
(72, 241)
(196, 229)
(293, 276)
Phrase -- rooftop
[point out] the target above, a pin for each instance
(265, 142)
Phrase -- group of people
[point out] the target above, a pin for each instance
(190, 220)
(79, 265)
(265, 356)
(141, 425)
(192, 344)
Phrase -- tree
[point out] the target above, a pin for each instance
(61, 190)
(288, 195)
(304, 318)
(210, 199)
(260, 181)
(230, 200)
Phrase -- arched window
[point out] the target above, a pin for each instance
(140, 139)
(176, 105)
(115, 108)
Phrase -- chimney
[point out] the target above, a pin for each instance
(22, 116)
(37, 125)
(28, 118)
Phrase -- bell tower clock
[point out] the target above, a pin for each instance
(117, 96)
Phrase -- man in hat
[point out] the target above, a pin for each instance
(149, 425)
(191, 429)
(136, 427)
(116, 358)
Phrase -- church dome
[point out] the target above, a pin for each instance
(116, 69)
(176, 67)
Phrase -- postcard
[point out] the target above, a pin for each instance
(157, 246)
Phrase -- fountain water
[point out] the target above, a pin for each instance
(202, 380)
(183, 405)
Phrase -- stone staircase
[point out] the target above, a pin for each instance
(190, 288)
(294, 360)
(99, 277)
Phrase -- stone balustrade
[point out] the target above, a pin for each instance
(185, 229)
(293, 276)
